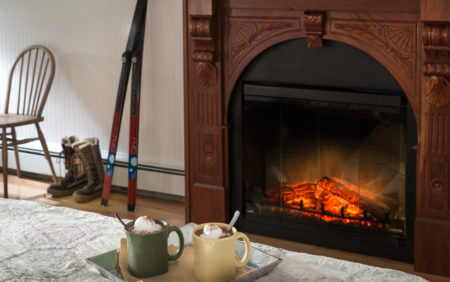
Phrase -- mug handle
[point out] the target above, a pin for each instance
(246, 256)
(180, 236)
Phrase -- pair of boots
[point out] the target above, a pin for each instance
(85, 172)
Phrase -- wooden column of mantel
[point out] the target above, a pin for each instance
(206, 192)
(411, 38)
(432, 227)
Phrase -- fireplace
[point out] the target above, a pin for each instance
(363, 154)
(316, 153)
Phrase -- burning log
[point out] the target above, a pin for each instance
(378, 209)
(302, 194)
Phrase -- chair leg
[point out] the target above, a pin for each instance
(5, 163)
(16, 151)
(47, 154)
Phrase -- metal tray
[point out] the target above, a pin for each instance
(260, 262)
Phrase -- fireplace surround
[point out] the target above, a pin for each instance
(410, 38)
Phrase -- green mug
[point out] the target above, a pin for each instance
(147, 252)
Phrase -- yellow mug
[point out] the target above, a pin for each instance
(216, 259)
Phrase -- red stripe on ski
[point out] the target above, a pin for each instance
(105, 193)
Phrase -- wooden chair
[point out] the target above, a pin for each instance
(29, 83)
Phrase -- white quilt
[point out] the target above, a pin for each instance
(47, 243)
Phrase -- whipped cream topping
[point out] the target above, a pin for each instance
(146, 225)
(211, 231)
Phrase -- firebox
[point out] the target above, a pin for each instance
(324, 157)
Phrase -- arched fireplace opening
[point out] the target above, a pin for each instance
(321, 150)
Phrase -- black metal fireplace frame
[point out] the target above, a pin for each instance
(345, 238)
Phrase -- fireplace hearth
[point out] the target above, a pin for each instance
(407, 88)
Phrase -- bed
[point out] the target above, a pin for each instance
(39, 242)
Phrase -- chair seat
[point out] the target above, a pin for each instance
(10, 120)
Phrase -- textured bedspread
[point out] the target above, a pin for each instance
(46, 243)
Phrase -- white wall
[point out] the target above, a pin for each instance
(87, 38)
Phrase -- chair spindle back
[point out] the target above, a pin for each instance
(30, 81)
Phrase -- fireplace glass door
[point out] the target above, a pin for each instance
(333, 161)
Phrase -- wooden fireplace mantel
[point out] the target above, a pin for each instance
(410, 38)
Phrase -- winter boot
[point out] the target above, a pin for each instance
(89, 151)
(75, 176)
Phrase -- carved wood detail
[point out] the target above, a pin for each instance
(436, 166)
(396, 39)
(437, 186)
(437, 135)
(208, 154)
(204, 111)
(438, 132)
(436, 41)
(206, 73)
(202, 30)
(437, 91)
(314, 26)
(245, 34)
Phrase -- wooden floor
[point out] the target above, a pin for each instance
(173, 212)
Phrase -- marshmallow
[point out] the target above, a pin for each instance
(211, 231)
(147, 225)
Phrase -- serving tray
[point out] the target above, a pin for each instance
(260, 264)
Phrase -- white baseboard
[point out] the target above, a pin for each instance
(150, 178)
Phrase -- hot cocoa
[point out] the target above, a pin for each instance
(145, 225)
(213, 231)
